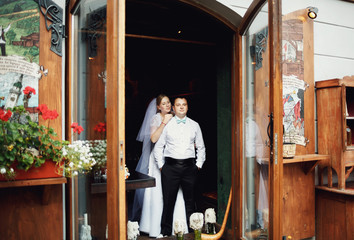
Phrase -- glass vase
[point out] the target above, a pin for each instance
(180, 236)
(197, 234)
(210, 228)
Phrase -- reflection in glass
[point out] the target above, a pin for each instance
(89, 110)
(256, 108)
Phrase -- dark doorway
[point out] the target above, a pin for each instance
(176, 49)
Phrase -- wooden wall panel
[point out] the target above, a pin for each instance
(330, 132)
(298, 202)
(350, 219)
(26, 213)
(334, 215)
(26, 216)
(50, 86)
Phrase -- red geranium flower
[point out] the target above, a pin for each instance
(100, 127)
(50, 115)
(29, 90)
(77, 128)
(5, 116)
(42, 108)
(46, 113)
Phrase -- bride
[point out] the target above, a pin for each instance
(156, 117)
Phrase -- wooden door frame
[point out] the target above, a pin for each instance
(237, 140)
(116, 216)
(276, 107)
(116, 77)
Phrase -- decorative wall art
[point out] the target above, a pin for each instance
(294, 85)
(19, 42)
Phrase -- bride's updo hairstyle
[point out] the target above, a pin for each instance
(159, 99)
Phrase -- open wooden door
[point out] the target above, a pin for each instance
(97, 92)
(262, 122)
(116, 215)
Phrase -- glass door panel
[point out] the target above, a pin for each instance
(89, 198)
(256, 128)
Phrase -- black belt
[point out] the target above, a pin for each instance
(172, 161)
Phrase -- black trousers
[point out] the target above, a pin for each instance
(3, 49)
(176, 173)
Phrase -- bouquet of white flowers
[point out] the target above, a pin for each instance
(196, 223)
(98, 148)
(179, 229)
(210, 220)
(133, 230)
(78, 157)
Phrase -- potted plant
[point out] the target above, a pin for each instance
(196, 223)
(25, 145)
(77, 157)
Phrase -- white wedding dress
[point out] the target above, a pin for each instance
(150, 221)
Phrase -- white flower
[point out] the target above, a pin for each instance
(11, 170)
(133, 230)
(3, 171)
(210, 216)
(64, 152)
(196, 221)
(179, 227)
(127, 174)
(75, 173)
(71, 164)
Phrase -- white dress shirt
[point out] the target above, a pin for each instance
(179, 141)
(254, 142)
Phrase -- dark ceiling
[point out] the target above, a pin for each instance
(165, 18)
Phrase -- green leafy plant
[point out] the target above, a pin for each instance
(24, 143)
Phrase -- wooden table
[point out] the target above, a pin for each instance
(99, 198)
(135, 181)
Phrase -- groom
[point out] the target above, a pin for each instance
(179, 153)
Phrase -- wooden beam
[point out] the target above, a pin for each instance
(276, 107)
(237, 139)
(116, 214)
(33, 182)
(169, 39)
